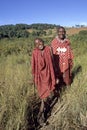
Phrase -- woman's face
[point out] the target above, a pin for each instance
(39, 44)
(61, 33)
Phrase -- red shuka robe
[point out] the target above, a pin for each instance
(63, 56)
(43, 73)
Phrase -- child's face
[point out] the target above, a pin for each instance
(39, 44)
(61, 33)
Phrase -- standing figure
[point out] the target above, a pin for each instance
(63, 57)
(43, 73)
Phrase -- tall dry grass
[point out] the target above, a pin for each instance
(15, 90)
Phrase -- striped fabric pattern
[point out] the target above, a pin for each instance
(64, 51)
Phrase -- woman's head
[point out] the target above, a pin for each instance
(61, 32)
(39, 43)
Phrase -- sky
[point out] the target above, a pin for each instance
(59, 12)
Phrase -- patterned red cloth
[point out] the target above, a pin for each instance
(63, 55)
(42, 70)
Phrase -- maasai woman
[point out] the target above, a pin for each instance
(63, 57)
(43, 72)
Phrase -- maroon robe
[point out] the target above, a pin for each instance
(63, 58)
(43, 73)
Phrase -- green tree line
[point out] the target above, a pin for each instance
(20, 30)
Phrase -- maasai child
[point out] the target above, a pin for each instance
(63, 57)
(43, 73)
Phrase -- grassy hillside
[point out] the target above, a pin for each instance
(18, 98)
(69, 31)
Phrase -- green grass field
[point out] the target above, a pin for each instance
(17, 90)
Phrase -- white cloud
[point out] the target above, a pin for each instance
(83, 23)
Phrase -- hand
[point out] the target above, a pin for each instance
(57, 81)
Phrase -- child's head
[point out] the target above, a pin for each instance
(39, 43)
(61, 32)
